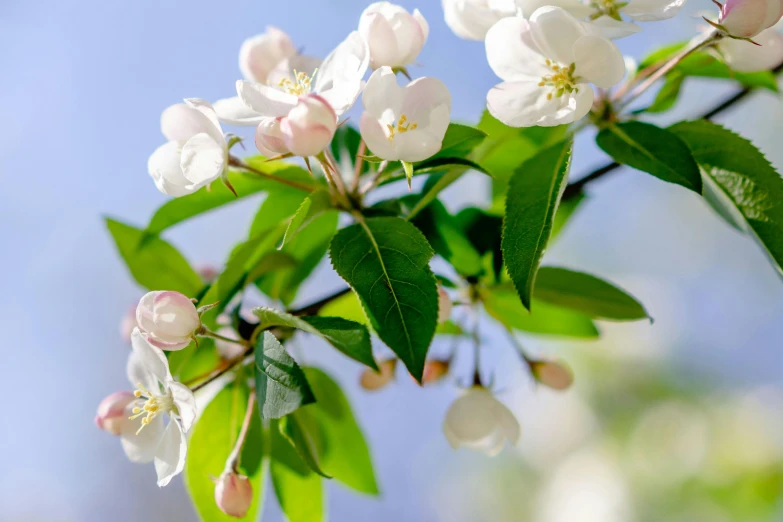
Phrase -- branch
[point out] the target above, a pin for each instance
(315, 307)
(574, 188)
(236, 162)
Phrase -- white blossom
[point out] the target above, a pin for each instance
(306, 130)
(745, 56)
(338, 80)
(747, 18)
(168, 319)
(395, 37)
(606, 16)
(547, 65)
(404, 123)
(145, 435)
(196, 153)
(477, 420)
(471, 19)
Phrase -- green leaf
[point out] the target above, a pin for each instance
(667, 95)
(211, 442)
(533, 197)
(459, 141)
(299, 430)
(281, 387)
(299, 491)
(740, 182)
(502, 303)
(441, 163)
(177, 210)
(444, 233)
(344, 453)
(313, 205)
(586, 294)
(653, 150)
(408, 168)
(484, 231)
(154, 263)
(385, 260)
(348, 307)
(349, 337)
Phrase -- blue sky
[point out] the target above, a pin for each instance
(82, 89)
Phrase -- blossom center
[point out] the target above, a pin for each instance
(401, 126)
(301, 84)
(150, 405)
(610, 8)
(561, 81)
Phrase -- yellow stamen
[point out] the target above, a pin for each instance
(401, 126)
(562, 80)
(300, 85)
(152, 406)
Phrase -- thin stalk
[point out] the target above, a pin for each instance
(237, 162)
(208, 333)
(357, 171)
(232, 463)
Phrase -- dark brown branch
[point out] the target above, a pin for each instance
(575, 188)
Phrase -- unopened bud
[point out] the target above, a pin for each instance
(372, 380)
(747, 18)
(434, 371)
(553, 374)
(233, 494)
(169, 319)
(112, 411)
(444, 305)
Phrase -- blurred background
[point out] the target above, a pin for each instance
(681, 420)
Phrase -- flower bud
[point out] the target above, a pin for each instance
(372, 380)
(269, 138)
(747, 18)
(227, 350)
(444, 305)
(552, 374)
(233, 494)
(112, 411)
(394, 36)
(260, 54)
(127, 324)
(478, 421)
(434, 371)
(169, 319)
(309, 127)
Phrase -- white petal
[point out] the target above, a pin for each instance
(652, 10)
(570, 107)
(746, 57)
(382, 93)
(417, 145)
(186, 404)
(610, 28)
(374, 134)
(599, 61)
(233, 111)
(163, 167)
(423, 24)
(381, 40)
(203, 160)
(171, 453)
(469, 20)
(180, 122)
(509, 425)
(141, 448)
(422, 96)
(575, 7)
(555, 31)
(511, 52)
(150, 366)
(205, 108)
(260, 54)
(265, 100)
(519, 104)
(340, 79)
(269, 139)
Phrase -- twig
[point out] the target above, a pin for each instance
(357, 171)
(232, 463)
(236, 162)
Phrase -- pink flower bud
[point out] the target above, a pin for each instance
(127, 324)
(233, 494)
(444, 305)
(747, 18)
(552, 374)
(372, 380)
(434, 371)
(309, 126)
(169, 319)
(269, 139)
(112, 411)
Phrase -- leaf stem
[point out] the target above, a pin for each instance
(207, 333)
(232, 464)
(237, 162)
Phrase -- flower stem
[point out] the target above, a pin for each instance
(357, 171)
(207, 333)
(695, 45)
(236, 162)
(232, 464)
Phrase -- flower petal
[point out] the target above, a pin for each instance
(746, 57)
(575, 7)
(652, 10)
(508, 423)
(382, 93)
(380, 38)
(180, 122)
(260, 54)
(265, 100)
(417, 145)
(610, 28)
(163, 167)
(470, 417)
(570, 107)
(233, 111)
(141, 448)
(150, 367)
(519, 104)
(599, 61)
(339, 80)
(421, 97)
(171, 453)
(186, 404)
(203, 160)
(374, 134)
(511, 52)
(555, 31)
